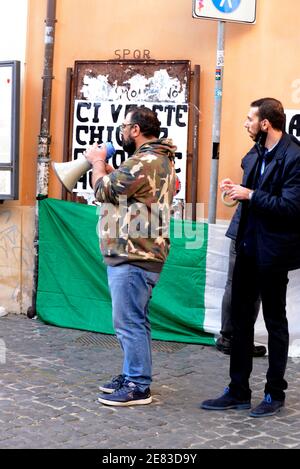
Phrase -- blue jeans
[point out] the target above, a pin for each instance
(131, 289)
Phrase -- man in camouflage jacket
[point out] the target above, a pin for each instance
(134, 223)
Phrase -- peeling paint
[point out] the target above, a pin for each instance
(49, 35)
(159, 87)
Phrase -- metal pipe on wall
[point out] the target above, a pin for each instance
(44, 138)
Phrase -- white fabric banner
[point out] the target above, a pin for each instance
(216, 274)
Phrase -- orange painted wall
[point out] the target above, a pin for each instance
(259, 60)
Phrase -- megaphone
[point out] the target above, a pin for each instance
(70, 172)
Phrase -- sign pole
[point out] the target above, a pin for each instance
(216, 124)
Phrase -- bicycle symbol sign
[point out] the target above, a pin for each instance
(226, 6)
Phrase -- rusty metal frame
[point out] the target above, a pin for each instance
(129, 68)
(67, 123)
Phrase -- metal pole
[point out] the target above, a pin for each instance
(43, 159)
(196, 102)
(216, 125)
(44, 137)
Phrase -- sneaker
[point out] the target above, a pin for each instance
(224, 345)
(227, 401)
(128, 394)
(267, 407)
(114, 385)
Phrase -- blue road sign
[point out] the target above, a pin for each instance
(241, 11)
(226, 6)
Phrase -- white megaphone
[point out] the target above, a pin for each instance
(70, 172)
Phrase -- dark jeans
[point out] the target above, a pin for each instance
(226, 326)
(249, 282)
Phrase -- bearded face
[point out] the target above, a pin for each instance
(128, 144)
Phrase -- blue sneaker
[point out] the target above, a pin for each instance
(128, 394)
(114, 385)
(225, 402)
(267, 407)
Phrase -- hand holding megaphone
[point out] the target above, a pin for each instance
(97, 153)
(70, 172)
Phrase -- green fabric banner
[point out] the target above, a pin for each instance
(72, 280)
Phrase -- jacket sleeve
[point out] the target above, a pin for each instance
(125, 181)
(286, 205)
(234, 224)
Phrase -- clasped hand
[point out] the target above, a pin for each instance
(234, 191)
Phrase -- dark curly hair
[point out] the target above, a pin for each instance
(146, 119)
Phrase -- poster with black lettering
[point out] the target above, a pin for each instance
(292, 123)
(103, 92)
(99, 122)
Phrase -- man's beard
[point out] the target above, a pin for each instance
(129, 146)
(261, 138)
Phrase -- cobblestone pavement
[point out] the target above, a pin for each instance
(49, 378)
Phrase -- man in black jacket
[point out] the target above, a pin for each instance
(268, 246)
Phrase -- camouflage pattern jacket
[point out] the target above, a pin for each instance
(135, 210)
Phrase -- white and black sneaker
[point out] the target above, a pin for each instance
(129, 394)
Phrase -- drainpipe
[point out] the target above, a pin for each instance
(44, 138)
